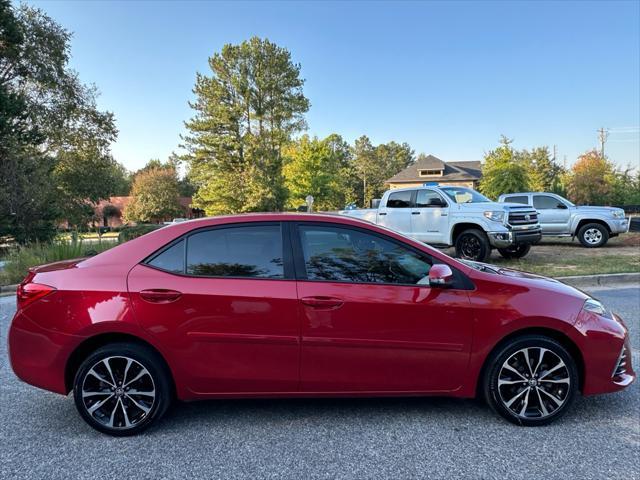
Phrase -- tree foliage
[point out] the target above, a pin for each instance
(316, 167)
(591, 179)
(53, 138)
(504, 171)
(155, 195)
(245, 113)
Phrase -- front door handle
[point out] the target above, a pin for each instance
(322, 302)
(415, 213)
(160, 295)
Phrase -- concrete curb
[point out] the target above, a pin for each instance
(6, 290)
(608, 280)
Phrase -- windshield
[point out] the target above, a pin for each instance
(464, 195)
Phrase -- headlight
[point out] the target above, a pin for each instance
(495, 216)
(618, 214)
(594, 306)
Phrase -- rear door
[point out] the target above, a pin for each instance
(396, 214)
(553, 214)
(370, 321)
(223, 300)
(430, 217)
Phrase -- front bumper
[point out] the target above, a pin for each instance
(620, 225)
(514, 237)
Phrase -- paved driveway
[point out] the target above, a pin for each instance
(41, 436)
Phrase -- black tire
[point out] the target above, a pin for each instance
(515, 251)
(474, 245)
(541, 391)
(117, 384)
(593, 235)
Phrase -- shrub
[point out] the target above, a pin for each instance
(21, 258)
(129, 233)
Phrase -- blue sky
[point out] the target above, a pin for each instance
(447, 77)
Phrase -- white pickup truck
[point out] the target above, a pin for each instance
(444, 216)
(560, 218)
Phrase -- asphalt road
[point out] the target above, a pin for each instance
(41, 435)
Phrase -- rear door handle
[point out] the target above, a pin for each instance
(415, 213)
(160, 295)
(322, 302)
(382, 213)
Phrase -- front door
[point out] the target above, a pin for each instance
(396, 214)
(553, 214)
(225, 302)
(430, 218)
(370, 321)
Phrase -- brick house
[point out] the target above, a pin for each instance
(432, 169)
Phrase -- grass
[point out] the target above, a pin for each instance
(582, 265)
(19, 259)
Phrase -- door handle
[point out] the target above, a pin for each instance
(415, 213)
(382, 213)
(322, 302)
(160, 295)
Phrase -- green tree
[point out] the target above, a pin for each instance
(373, 165)
(48, 119)
(504, 171)
(245, 113)
(155, 196)
(314, 167)
(544, 174)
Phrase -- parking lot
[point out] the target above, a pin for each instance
(43, 437)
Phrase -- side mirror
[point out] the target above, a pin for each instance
(437, 203)
(562, 206)
(440, 275)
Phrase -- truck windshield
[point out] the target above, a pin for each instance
(464, 195)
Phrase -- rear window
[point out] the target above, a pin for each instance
(518, 199)
(251, 251)
(399, 199)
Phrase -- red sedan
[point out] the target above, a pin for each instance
(283, 305)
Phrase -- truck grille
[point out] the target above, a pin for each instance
(621, 365)
(523, 218)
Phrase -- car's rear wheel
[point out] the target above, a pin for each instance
(593, 235)
(531, 381)
(515, 251)
(122, 388)
(474, 245)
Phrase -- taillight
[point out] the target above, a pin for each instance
(30, 292)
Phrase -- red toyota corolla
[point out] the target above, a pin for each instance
(283, 305)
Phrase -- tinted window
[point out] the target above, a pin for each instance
(172, 259)
(518, 199)
(429, 198)
(347, 255)
(252, 251)
(399, 199)
(544, 201)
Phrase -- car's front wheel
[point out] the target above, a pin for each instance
(474, 245)
(122, 388)
(593, 235)
(531, 380)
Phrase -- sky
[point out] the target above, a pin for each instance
(447, 77)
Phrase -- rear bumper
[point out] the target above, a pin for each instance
(38, 356)
(507, 239)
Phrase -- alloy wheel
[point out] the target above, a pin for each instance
(592, 236)
(470, 247)
(118, 392)
(534, 382)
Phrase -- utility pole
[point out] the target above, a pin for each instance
(555, 153)
(603, 134)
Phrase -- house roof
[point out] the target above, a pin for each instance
(453, 171)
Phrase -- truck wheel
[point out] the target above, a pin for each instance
(593, 235)
(515, 251)
(474, 245)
